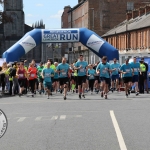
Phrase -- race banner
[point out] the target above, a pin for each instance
(60, 35)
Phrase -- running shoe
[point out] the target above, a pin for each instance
(102, 94)
(126, 95)
(83, 95)
(105, 96)
(137, 93)
(61, 91)
(65, 98)
(80, 96)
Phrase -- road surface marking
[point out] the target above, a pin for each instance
(118, 131)
(21, 119)
(54, 118)
(62, 117)
(38, 118)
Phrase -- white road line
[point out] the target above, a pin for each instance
(38, 118)
(118, 131)
(21, 119)
(54, 118)
(62, 117)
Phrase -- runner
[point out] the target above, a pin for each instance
(56, 78)
(81, 67)
(63, 70)
(21, 74)
(126, 71)
(47, 73)
(40, 79)
(136, 68)
(91, 75)
(115, 75)
(32, 71)
(103, 69)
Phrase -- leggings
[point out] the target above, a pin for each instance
(91, 84)
(32, 85)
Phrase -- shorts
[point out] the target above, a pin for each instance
(81, 79)
(48, 85)
(145, 75)
(63, 81)
(97, 79)
(127, 79)
(40, 80)
(107, 80)
(22, 82)
(115, 77)
(55, 80)
(135, 78)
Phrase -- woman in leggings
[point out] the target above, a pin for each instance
(32, 72)
(91, 74)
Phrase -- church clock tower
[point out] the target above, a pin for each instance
(14, 8)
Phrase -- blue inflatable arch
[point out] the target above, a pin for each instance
(35, 37)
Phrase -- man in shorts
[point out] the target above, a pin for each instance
(63, 70)
(103, 69)
(127, 72)
(47, 73)
(135, 79)
(81, 67)
(114, 74)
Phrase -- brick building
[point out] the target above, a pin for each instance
(97, 15)
(132, 36)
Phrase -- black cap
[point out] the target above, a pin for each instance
(142, 59)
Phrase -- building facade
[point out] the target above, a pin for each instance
(97, 15)
(10, 33)
(132, 36)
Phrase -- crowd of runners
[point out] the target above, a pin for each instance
(78, 77)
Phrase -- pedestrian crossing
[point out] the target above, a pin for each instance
(44, 118)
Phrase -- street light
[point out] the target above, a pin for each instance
(93, 30)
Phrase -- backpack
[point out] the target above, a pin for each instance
(12, 72)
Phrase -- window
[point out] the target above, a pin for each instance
(130, 6)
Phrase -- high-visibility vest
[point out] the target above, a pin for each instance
(75, 73)
(142, 67)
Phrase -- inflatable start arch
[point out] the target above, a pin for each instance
(35, 37)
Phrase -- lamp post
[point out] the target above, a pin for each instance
(92, 29)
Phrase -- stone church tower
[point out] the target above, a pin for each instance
(14, 8)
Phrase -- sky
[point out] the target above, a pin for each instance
(48, 10)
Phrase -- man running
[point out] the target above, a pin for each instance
(136, 68)
(126, 71)
(81, 67)
(103, 69)
(115, 75)
(40, 79)
(63, 70)
(47, 73)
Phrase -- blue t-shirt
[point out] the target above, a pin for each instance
(91, 72)
(136, 67)
(102, 68)
(126, 68)
(47, 74)
(56, 75)
(82, 71)
(115, 66)
(65, 68)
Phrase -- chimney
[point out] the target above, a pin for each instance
(135, 13)
(141, 11)
(129, 15)
(147, 9)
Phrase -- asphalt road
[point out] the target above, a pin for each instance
(92, 123)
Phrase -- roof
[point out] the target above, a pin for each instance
(76, 6)
(132, 24)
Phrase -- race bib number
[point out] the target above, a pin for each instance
(64, 73)
(82, 70)
(20, 75)
(104, 71)
(127, 70)
(47, 75)
(91, 77)
(32, 75)
(135, 70)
